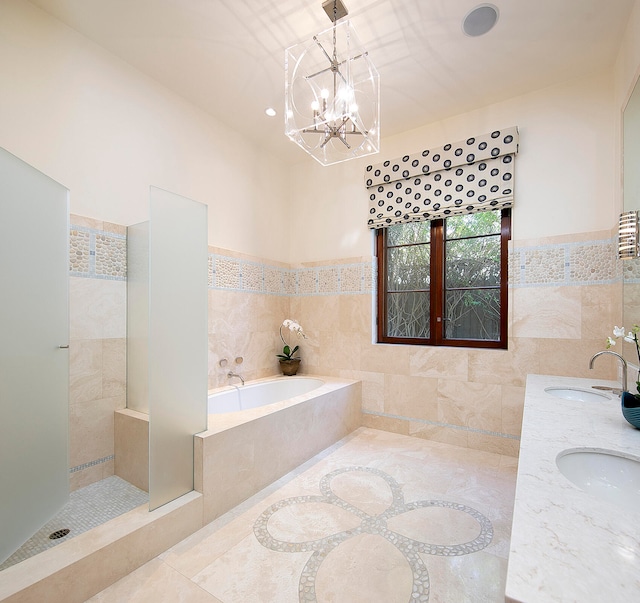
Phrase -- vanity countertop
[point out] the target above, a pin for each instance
(567, 545)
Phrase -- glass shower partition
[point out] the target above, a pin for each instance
(167, 337)
(34, 354)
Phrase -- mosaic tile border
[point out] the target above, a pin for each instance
(497, 434)
(100, 254)
(97, 254)
(235, 274)
(631, 270)
(565, 264)
(92, 463)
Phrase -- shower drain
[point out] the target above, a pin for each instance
(59, 534)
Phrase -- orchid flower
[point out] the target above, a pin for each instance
(294, 326)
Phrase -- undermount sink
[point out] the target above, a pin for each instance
(608, 475)
(575, 393)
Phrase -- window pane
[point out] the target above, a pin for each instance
(473, 262)
(408, 268)
(473, 225)
(408, 314)
(405, 234)
(473, 314)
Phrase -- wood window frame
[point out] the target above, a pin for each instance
(437, 291)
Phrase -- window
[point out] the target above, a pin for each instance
(444, 282)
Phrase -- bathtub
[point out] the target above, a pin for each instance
(262, 393)
(259, 432)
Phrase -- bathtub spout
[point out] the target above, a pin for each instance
(232, 374)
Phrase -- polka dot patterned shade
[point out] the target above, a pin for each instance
(459, 178)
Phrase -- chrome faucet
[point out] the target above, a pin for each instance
(232, 374)
(622, 360)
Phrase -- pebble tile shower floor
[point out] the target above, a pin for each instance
(376, 518)
(87, 508)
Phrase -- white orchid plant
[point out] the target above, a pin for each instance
(630, 337)
(294, 327)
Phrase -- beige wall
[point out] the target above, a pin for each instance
(564, 173)
(92, 122)
(106, 132)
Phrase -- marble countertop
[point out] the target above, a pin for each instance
(567, 545)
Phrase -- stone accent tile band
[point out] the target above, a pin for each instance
(91, 463)
(101, 254)
(97, 254)
(566, 264)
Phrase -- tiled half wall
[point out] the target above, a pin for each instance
(565, 294)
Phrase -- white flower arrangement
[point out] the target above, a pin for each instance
(293, 326)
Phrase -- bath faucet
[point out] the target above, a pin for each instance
(232, 374)
(622, 360)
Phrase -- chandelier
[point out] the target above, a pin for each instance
(332, 93)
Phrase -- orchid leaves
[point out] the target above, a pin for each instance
(294, 327)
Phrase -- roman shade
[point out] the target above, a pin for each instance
(476, 174)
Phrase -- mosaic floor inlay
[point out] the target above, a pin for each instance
(370, 524)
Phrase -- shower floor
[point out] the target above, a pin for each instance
(87, 508)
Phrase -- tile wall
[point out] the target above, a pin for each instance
(97, 346)
(565, 295)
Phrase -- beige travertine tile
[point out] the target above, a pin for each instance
(495, 444)
(415, 397)
(355, 314)
(438, 362)
(253, 574)
(85, 477)
(115, 228)
(91, 430)
(505, 367)
(131, 447)
(385, 358)
(372, 388)
(439, 433)
(476, 578)
(97, 308)
(553, 312)
(76, 220)
(476, 405)
(399, 426)
(377, 571)
(512, 409)
(571, 358)
(114, 367)
(154, 582)
(85, 370)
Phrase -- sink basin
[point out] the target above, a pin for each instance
(608, 475)
(575, 393)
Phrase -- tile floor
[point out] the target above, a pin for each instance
(87, 508)
(377, 518)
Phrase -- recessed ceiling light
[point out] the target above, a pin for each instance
(480, 20)
(270, 112)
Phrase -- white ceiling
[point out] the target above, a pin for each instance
(226, 56)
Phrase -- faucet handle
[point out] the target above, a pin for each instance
(223, 362)
(239, 360)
